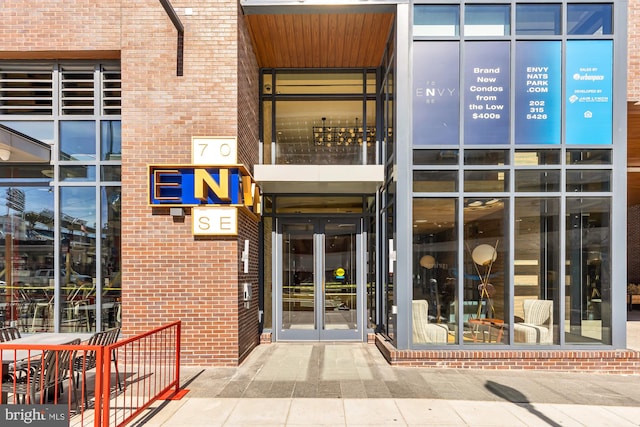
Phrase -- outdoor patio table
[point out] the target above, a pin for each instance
(10, 356)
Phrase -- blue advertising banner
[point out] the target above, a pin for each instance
(589, 109)
(436, 97)
(486, 93)
(538, 92)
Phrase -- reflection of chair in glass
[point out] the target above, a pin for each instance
(538, 323)
(77, 316)
(42, 314)
(423, 331)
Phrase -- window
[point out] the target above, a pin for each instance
(434, 271)
(589, 19)
(82, 103)
(538, 19)
(487, 20)
(430, 20)
(312, 117)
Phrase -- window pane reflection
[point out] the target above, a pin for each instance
(27, 269)
(538, 19)
(78, 257)
(485, 295)
(436, 20)
(329, 132)
(487, 20)
(589, 19)
(588, 302)
(111, 263)
(434, 265)
(486, 180)
(77, 173)
(536, 271)
(78, 140)
(537, 181)
(588, 180)
(435, 181)
(110, 140)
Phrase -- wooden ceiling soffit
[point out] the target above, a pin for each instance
(319, 40)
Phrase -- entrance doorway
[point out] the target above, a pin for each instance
(319, 279)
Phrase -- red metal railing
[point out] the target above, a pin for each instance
(146, 368)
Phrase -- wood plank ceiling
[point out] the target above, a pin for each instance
(327, 40)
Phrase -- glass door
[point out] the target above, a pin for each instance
(320, 293)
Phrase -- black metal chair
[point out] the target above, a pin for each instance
(86, 361)
(9, 333)
(45, 376)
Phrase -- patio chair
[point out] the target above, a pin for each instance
(44, 377)
(9, 333)
(423, 331)
(86, 361)
(538, 323)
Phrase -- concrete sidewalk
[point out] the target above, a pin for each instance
(263, 412)
(351, 384)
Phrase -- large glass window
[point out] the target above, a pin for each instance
(536, 265)
(77, 256)
(323, 132)
(588, 271)
(486, 292)
(27, 246)
(111, 262)
(435, 256)
(372, 290)
(462, 89)
(60, 236)
(319, 118)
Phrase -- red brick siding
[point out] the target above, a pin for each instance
(604, 362)
(248, 119)
(44, 29)
(168, 274)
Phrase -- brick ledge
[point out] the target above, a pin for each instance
(600, 361)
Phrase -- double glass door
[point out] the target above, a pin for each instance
(319, 279)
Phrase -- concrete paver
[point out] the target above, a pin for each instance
(350, 384)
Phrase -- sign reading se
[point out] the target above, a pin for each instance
(215, 221)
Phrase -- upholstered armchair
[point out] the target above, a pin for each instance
(538, 323)
(423, 331)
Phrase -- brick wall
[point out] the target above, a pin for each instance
(45, 29)
(625, 362)
(167, 273)
(248, 122)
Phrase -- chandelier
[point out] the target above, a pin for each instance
(343, 135)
